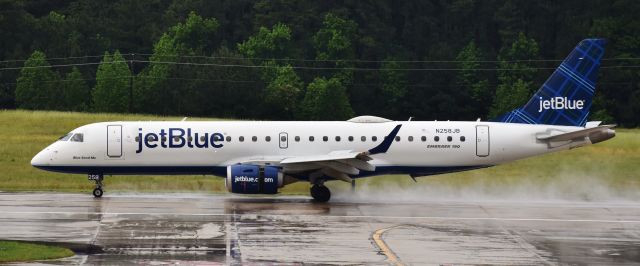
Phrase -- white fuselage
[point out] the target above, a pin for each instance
(138, 148)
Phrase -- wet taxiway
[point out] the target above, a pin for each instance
(204, 229)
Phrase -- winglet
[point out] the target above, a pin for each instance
(384, 146)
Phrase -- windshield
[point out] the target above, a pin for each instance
(65, 137)
(78, 137)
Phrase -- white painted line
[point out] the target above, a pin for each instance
(340, 216)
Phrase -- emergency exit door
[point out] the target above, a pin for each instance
(114, 141)
(482, 141)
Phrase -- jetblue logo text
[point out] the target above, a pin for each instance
(178, 138)
(243, 179)
(560, 103)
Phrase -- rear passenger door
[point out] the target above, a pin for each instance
(482, 141)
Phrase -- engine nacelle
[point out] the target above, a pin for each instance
(253, 179)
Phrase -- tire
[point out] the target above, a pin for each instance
(320, 193)
(97, 192)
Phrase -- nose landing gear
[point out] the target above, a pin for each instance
(320, 193)
(97, 191)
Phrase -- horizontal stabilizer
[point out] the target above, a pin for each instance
(595, 134)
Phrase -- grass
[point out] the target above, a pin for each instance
(15, 251)
(615, 163)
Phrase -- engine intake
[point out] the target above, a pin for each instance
(253, 179)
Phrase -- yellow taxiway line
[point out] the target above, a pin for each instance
(377, 238)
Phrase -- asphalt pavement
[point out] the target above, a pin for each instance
(232, 229)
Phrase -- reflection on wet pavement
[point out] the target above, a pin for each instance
(225, 229)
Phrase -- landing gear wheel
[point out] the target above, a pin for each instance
(97, 192)
(97, 178)
(320, 193)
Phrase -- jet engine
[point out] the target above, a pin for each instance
(254, 179)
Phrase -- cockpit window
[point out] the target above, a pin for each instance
(78, 137)
(65, 137)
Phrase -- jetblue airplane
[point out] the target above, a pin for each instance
(261, 157)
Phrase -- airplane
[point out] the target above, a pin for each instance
(260, 157)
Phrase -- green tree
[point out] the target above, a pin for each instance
(394, 86)
(326, 99)
(283, 91)
(515, 76)
(619, 103)
(195, 34)
(473, 81)
(335, 42)
(111, 93)
(510, 18)
(37, 86)
(229, 91)
(274, 43)
(283, 84)
(57, 37)
(166, 88)
(6, 97)
(150, 85)
(76, 93)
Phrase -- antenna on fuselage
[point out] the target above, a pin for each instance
(183, 119)
(411, 117)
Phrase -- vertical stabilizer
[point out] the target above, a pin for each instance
(566, 97)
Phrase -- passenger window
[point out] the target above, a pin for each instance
(363, 138)
(350, 138)
(241, 138)
(436, 138)
(462, 138)
(176, 139)
(165, 138)
(397, 138)
(423, 138)
(137, 138)
(254, 138)
(374, 138)
(311, 138)
(410, 138)
(267, 138)
(297, 138)
(190, 139)
(202, 138)
(283, 138)
(228, 139)
(449, 138)
(325, 138)
(337, 138)
(65, 137)
(78, 137)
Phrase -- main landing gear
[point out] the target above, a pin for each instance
(97, 191)
(320, 193)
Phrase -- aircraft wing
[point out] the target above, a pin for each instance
(338, 164)
(327, 157)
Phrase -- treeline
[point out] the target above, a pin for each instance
(326, 60)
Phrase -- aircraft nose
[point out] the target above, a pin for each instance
(41, 158)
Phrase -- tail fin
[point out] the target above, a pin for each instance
(565, 98)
